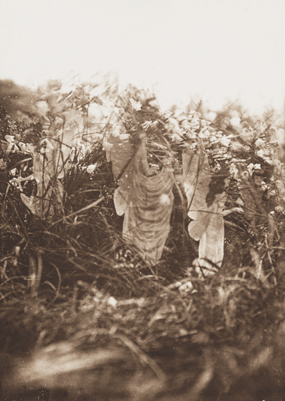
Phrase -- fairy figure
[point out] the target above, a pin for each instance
(48, 168)
(49, 195)
(206, 196)
(144, 198)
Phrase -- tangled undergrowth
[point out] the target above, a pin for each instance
(102, 323)
(84, 317)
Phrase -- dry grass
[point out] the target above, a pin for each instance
(88, 319)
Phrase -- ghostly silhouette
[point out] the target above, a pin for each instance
(206, 196)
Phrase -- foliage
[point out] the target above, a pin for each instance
(80, 305)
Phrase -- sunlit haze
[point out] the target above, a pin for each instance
(181, 49)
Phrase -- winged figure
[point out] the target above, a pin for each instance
(206, 197)
(256, 208)
(144, 199)
(49, 188)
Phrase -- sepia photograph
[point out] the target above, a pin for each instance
(142, 200)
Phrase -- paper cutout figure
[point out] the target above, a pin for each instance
(49, 194)
(206, 198)
(144, 199)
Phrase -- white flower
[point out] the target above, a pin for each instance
(233, 170)
(259, 142)
(135, 105)
(260, 153)
(112, 302)
(185, 124)
(225, 141)
(195, 123)
(252, 167)
(91, 168)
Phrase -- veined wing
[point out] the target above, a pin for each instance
(196, 228)
(120, 152)
(196, 174)
(49, 189)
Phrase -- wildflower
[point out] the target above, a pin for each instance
(91, 168)
(112, 302)
(259, 142)
(185, 124)
(225, 141)
(233, 170)
(260, 153)
(135, 105)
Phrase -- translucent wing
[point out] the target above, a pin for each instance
(30, 202)
(196, 174)
(209, 231)
(120, 151)
(196, 228)
(49, 189)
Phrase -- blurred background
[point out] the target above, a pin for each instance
(182, 50)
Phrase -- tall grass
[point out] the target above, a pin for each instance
(88, 318)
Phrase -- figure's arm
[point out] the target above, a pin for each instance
(19, 180)
(29, 178)
(234, 209)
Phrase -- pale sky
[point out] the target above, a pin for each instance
(214, 49)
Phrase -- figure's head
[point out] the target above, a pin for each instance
(258, 177)
(218, 184)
